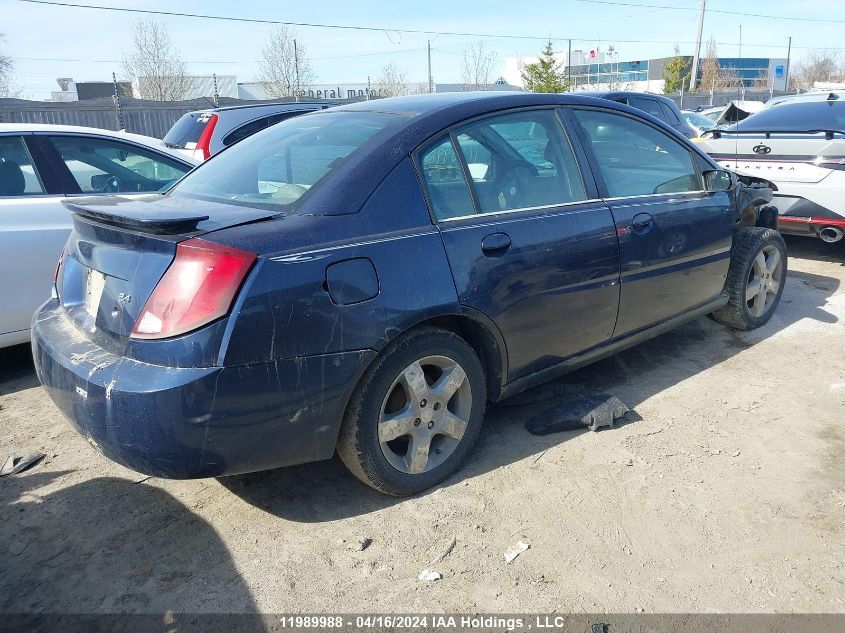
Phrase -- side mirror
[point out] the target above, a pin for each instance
(719, 180)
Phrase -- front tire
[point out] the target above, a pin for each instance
(756, 278)
(416, 413)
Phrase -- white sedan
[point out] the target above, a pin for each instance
(43, 165)
(799, 145)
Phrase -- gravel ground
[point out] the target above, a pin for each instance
(725, 495)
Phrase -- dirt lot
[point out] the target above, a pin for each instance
(726, 496)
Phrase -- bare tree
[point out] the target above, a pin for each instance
(7, 68)
(477, 67)
(392, 82)
(285, 70)
(154, 64)
(817, 65)
(762, 80)
(710, 67)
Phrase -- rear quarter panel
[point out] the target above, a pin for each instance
(287, 311)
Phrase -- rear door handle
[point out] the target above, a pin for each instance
(495, 243)
(641, 222)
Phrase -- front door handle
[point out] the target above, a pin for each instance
(641, 223)
(495, 243)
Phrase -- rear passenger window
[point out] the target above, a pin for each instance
(247, 129)
(519, 161)
(669, 114)
(444, 179)
(635, 158)
(17, 173)
(648, 105)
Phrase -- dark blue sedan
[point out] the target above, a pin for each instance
(366, 278)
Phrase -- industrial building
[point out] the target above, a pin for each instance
(601, 72)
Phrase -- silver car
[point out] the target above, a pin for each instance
(40, 167)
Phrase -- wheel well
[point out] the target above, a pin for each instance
(482, 341)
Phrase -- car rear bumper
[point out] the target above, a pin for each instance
(185, 423)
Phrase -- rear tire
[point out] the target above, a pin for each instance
(756, 278)
(416, 413)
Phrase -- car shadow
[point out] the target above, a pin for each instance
(815, 249)
(325, 491)
(16, 369)
(97, 548)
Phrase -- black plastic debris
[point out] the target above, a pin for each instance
(14, 465)
(577, 412)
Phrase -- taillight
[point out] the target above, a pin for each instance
(204, 142)
(196, 289)
(832, 162)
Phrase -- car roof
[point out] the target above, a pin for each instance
(608, 94)
(290, 105)
(140, 139)
(463, 103)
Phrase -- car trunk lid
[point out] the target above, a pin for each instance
(119, 250)
(799, 158)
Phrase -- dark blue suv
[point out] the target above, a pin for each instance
(366, 278)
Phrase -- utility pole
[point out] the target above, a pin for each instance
(296, 70)
(117, 106)
(740, 42)
(216, 94)
(569, 67)
(786, 73)
(430, 78)
(694, 75)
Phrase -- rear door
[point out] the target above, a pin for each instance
(33, 229)
(674, 237)
(528, 243)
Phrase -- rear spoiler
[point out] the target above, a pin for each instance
(167, 215)
(828, 134)
(147, 220)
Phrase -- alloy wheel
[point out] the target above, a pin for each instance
(764, 281)
(425, 414)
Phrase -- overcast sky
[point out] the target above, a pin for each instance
(58, 35)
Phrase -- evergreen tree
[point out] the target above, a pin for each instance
(545, 75)
(676, 72)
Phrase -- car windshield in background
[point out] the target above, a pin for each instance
(796, 117)
(698, 120)
(276, 166)
(187, 131)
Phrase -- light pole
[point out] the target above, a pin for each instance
(694, 74)
(430, 77)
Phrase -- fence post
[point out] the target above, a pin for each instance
(118, 110)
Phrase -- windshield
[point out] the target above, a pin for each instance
(796, 117)
(698, 121)
(276, 166)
